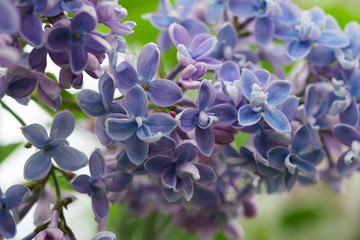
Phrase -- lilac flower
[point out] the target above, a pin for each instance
(190, 76)
(9, 200)
(167, 15)
(54, 146)
(299, 161)
(100, 105)
(20, 82)
(205, 116)
(262, 103)
(311, 28)
(99, 183)
(228, 83)
(162, 92)
(77, 37)
(178, 173)
(349, 161)
(136, 130)
(110, 13)
(64, 5)
(196, 50)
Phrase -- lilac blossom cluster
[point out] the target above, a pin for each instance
(168, 140)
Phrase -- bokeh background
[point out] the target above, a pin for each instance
(307, 213)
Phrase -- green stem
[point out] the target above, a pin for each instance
(58, 198)
(13, 113)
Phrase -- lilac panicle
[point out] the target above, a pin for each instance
(262, 103)
(162, 92)
(178, 173)
(99, 183)
(54, 146)
(9, 200)
(205, 117)
(76, 36)
(136, 130)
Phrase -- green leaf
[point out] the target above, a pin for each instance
(241, 139)
(6, 150)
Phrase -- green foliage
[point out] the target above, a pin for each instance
(6, 150)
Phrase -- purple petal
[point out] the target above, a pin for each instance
(350, 115)
(215, 12)
(243, 8)
(14, 195)
(69, 159)
(21, 88)
(136, 149)
(96, 45)
(51, 102)
(247, 80)
(202, 46)
(36, 134)
(148, 62)
(333, 38)
(9, 17)
(302, 140)
(229, 71)
(85, 19)
(355, 84)
(169, 178)
(187, 188)
(63, 125)
(227, 35)
(106, 88)
(78, 59)
(100, 204)
(206, 95)
(207, 174)
(160, 122)
(136, 102)
(37, 166)
(146, 135)
(179, 35)
(187, 119)
(125, 76)
(211, 63)
(186, 151)
(247, 116)
(100, 131)
(194, 26)
(314, 157)
(297, 50)
(157, 164)
(37, 57)
(264, 30)
(171, 196)
(31, 29)
(120, 129)
(277, 156)
(346, 134)
(119, 181)
(225, 113)
(7, 224)
(164, 93)
(59, 38)
(276, 120)
(81, 184)
(289, 107)
(97, 164)
(278, 91)
(164, 42)
(205, 140)
(91, 103)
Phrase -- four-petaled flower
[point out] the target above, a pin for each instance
(54, 146)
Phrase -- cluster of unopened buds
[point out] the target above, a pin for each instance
(168, 140)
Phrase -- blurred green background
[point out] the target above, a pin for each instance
(307, 213)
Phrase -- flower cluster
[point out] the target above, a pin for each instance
(168, 140)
